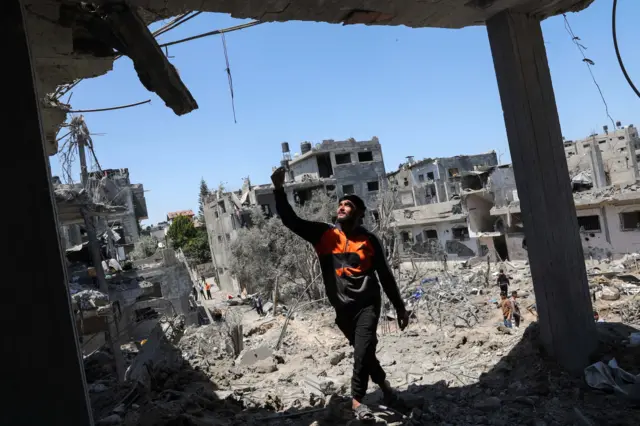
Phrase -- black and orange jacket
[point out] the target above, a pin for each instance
(348, 264)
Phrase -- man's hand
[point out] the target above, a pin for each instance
(278, 177)
(403, 319)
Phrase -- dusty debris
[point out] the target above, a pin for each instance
(89, 299)
(251, 356)
(448, 370)
(610, 293)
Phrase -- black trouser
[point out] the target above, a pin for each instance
(209, 294)
(516, 318)
(504, 288)
(360, 329)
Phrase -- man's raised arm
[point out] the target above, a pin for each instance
(306, 229)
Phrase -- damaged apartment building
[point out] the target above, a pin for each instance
(604, 174)
(120, 228)
(428, 215)
(333, 167)
(111, 301)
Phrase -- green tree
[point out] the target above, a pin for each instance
(202, 198)
(268, 251)
(197, 248)
(181, 231)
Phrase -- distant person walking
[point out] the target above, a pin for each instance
(207, 288)
(507, 311)
(195, 292)
(201, 290)
(515, 306)
(503, 282)
(259, 306)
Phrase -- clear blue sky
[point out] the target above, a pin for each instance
(423, 92)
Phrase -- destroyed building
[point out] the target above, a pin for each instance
(356, 166)
(608, 218)
(153, 288)
(112, 187)
(435, 180)
(224, 214)
(428, 216)
(610, 158)
(434, 232)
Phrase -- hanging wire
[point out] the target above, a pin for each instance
(615, 45)
(589, 63)
(110, 108)
(215, 32)
(228, 70)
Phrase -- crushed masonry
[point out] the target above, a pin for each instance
(456, 364)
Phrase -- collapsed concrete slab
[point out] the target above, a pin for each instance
(158, 352)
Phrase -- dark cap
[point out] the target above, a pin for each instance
(357, 201)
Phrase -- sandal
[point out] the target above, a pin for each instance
(364, 414)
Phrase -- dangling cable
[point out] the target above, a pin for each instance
(228, 69)
(615, 45)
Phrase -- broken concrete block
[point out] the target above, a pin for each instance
(251, 356)
(337, 357)
(610, 293)
(505, 330)
(265, 366)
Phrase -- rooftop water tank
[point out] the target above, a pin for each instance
(285, 147)
(305, 147)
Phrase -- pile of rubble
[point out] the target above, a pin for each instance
(88, 299)
(449, 371)
(462, 295)
(455, 377)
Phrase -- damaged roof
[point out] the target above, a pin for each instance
(610, 195)
(70, 199)
(450, 211)
(173, 215)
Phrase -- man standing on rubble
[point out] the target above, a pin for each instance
(503, 282)
(349, 258)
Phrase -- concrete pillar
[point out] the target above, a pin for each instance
(42, 372)
(597, 166)
(633, 162)
(542, 178)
